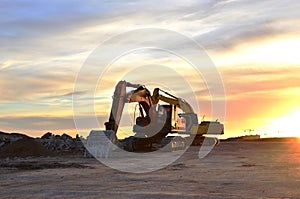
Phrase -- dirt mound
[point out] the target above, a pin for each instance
(24, 148)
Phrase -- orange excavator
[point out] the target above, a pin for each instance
(153, 126)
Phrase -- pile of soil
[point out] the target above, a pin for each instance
(24, 148)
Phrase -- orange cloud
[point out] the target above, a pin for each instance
(256, 95)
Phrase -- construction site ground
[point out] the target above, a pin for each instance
(232, 170)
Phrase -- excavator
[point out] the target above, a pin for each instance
(153, 127)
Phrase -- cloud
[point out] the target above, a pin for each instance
(69, 94)
(26, 85)
(256, 94)
(247, 80)
(238, 22)
(37, 29)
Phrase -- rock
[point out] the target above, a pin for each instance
(56, 144)
(66, 137)
(47, 135)
(62, 144)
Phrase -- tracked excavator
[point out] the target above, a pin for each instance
(153, 127)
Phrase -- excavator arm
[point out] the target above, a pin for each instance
(140, 94)
(179, 102)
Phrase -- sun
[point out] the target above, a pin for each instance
(286, 126)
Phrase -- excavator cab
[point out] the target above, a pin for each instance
(155, 126)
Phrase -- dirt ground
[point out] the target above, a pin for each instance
(231, 170)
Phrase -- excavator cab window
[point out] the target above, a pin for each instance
(168, 118)
(143, 121)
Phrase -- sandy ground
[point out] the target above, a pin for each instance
(231, 170)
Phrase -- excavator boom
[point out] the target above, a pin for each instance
(140, 94)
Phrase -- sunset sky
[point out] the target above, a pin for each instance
(254, 44)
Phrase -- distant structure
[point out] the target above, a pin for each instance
(249, 131)
(250, 136)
